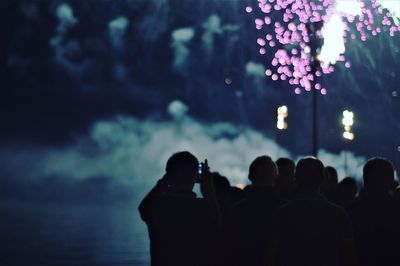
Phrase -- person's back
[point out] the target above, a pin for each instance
(252, 216)
(285, 183)
(252, 220)
(310, 230)
(181, 227)
(374, 216)
(329, 183)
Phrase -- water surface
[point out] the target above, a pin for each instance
(37, 233)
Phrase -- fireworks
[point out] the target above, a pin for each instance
(294, 34)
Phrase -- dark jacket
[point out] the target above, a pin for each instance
(181, 227)
(251, 222)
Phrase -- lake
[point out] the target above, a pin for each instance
(43, 233)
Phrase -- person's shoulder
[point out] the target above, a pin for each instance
(335, 207)
(287, 207)
(241, 205)
(198, 204)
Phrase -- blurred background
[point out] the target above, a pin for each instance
(97, 94)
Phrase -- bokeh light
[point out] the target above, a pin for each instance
(282, 114)
(348, 122)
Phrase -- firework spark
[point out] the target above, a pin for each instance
(291, 34)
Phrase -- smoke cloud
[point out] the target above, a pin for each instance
(256, 70)
(213, 27)
(117, 29)
(180, 39)
(133, 152)
(67, 51)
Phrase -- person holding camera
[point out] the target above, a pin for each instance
(182, 228)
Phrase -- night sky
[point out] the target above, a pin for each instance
(83, 80)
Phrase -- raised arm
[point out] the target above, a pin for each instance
(208, 191)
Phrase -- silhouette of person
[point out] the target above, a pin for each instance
(252, 216)
(226, 199)
(236, 194)
(311, 231)
(374, 217)
(396, 198)
(286, 183)
(222, 189)
(346, 192)
(181, 226)
(329, 183)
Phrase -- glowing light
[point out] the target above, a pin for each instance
(348, 118)
(261, 42)
(282, 112)
(348, 121)
(351, 7)
(392, 6)
(240, 185)
(348, 135)
(333, 46)
(249, 9)
(300, 26)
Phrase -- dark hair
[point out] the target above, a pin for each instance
(179, 159)
(285, 167)
(265, 163)
(179, 166)
(220, 181)
(347, 185)
(331, 175)
(309, 173)
(376, 173)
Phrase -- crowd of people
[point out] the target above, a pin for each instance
(291, 214)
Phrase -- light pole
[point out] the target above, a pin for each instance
(314, 45)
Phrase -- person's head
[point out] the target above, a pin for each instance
(331, 175)
(347, 188)
(221, 186)
(263, 171)
(309, 174)
(221, 183)
(181, 170)
(378, 175)
(285, 170)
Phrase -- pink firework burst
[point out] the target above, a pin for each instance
(307, 37)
